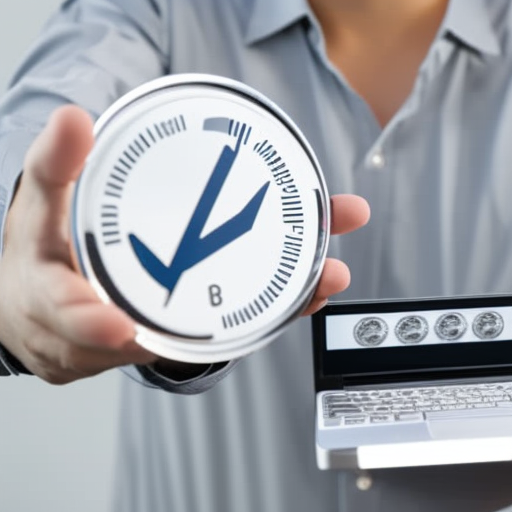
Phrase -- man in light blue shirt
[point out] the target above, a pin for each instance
(406, 102)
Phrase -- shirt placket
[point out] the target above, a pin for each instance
(375, 173)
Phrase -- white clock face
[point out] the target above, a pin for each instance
(202, 212)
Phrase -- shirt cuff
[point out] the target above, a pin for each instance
(175, 383)
(9, 365)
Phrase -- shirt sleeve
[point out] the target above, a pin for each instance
(90, 53)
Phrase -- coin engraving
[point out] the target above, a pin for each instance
(370, 331)
(450, 326)
(411, 329)
(488, 325)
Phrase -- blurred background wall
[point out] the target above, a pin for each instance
(56, 443)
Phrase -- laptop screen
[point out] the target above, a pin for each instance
(395, 341)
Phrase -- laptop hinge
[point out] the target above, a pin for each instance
(426, 378)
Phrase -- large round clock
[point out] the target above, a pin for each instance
(202, 212)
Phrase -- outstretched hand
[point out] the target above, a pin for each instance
(50, 317)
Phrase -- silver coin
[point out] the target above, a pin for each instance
(190, 176)
(451, 326)
(411, 329)
(370, 331)
(488, 325)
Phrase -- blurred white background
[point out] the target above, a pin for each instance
(56, 443)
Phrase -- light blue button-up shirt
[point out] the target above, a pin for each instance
(439, 181)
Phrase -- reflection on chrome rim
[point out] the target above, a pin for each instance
(411, 329)
(370, 331)
(450, 326)
(488, 325)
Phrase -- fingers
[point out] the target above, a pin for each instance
(82, 317)
(334, 279)
(57, 361)
(101, 334)
(67, 333)
(348, 212)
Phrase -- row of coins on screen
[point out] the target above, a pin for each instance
(372, 331)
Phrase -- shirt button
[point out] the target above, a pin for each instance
(377, 160)
(364, 481)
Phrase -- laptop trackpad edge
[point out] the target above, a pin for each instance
(460, 428)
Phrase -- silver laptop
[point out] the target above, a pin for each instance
(413, 383)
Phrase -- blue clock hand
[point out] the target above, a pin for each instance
(192, 248)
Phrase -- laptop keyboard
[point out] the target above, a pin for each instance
(368, 407)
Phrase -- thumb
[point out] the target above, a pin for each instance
(41, 207)
(57, 155)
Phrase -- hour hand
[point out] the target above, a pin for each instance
(157, 270)
(194, 248)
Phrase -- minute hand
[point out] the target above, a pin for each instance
(192, 248)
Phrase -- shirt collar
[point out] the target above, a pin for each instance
(467, 20)
(470, 22)
(271, 16)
